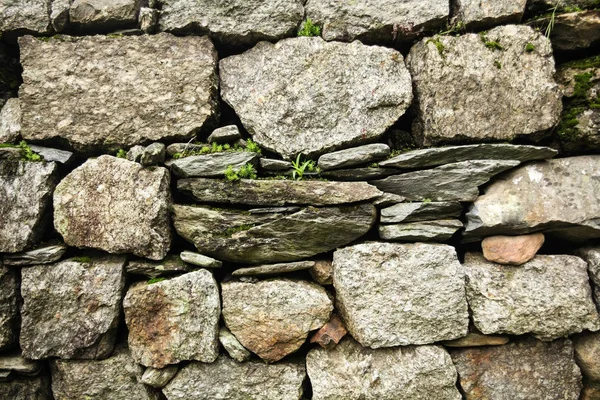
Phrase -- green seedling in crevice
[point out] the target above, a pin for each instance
(155, 280)
(121, 153)
(301, 167)
(246, 171)
(309, 29)
(529, 47)
(438, 44)
(83, 259)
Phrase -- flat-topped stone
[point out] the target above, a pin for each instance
(422, 231)
(274, 269)
(212, 165)
(420, 211)
(41, 255)
(225, 134)
(353, 156)
(478, 15)
(170, 265)
(200, 260)
(512, 250)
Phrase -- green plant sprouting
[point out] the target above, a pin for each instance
(309, 29)
(155, 280)
(529, 47)
(246, 171)
(552, 20)
(251, 146)
(300, 168)
(438, 44)
(121, 153)
(83, 259)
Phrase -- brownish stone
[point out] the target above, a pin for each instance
(512, 250)
(330, 334)
(322, 272)
(477, 339)
(591, 391)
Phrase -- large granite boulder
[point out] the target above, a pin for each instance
(104, 15)
(556, 196)
(351, 371)
(271, 237)
(493, 89)
(115, 205)
(549, 296)
(71, 308)
(228, 379)
(525, 369)
(234, 23)
(25, 16)
(174, 320)
(483, 14)
(104, 92)
(308, 96)
(400, 294)
(272, 318)
(379, 22)
(116, 378)
(25, 196)
(27, 388)
(8, 307)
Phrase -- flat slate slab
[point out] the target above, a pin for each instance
(212, 165)
(353, 156)
(274, 269)
(412, 212)
(422, 231)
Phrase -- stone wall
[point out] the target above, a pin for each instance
(295, 199)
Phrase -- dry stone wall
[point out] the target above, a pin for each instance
(296, 199)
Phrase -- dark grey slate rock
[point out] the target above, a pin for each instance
(135, 153)
(271, 164)
(26, 388)
(388, 200)
(354, 156)
(153, 154)
(23, 366)
(422, 231)
(41, 255)
(212, 165)
(49, 154)
(200, 260)
(153, 269)
(358, 174)
(225, 134)
(413, 212)
(274, 269)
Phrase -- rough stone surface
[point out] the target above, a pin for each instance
(330, 334)
(350, 371)
(102, 92)
(277, 192)
(545, 195)
(49, 154)
(550, 296)
(587, 354)
(26, 388)
(153, 154)
(135, 153)
(483, 14)
(16, 363)
(274, 269)
(200, 260)
(358, 174)
(592, 256)
(271, 164)
(41, 255)
(104, 15)
(225, 134)
(158, 378)
(322, 272)
(237, 22)
(527, 369)
(354, 156)
(25, 194)
(574, 31)
(71, 308)
(471, 99)
(227, 379)
(153, 269)
(388, 200)
(8, 307)
(591, 391)
(10, 121)
(116, 378)
(148, 19)
(458, 181)
(512, 250)
(437, 156)
(271, 238)
(292, 96)
(423, 231)
(477, 339)
(115, 205)
(232, 346)
(413, 212)
(59, 14)
(377, 23)
(25, 16)
(273, 318)
(212, 165)
(174, 320)
(399, 294)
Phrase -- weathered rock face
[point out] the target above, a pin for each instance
(25, 16)
(100, 92)
(400, 294)
(232, 346)
(279, 92)
(573, 31)
(200, 260)
(476, 339)
(227, 379)
(271, 237)
(174, 320)
(527, 369)
(272, 318)
(8, 307)
(26, 388)
(458, 181)
(25, 192)
(225, 134)
(350, 371)
(274, 269)
(71, 308)
(541, 196)
(377, 23)
(358, 174)
(592, 256)
(10, 121)
(587, 354)
(330, 334)
(115, 378)
(487, 14)
(115, 205)
(104, 15)
(158, 378)
(322, 272)
(238, 22)
(485, 93)
(550, 296)
(152, 269)
(422, 231)
(512, 250)
(412, 212)
(277, 192)
(354, 156)
(212, 165)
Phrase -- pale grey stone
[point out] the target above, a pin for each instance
(158, 378)
(351, 371)
(484, 14)
(358, 174)
(212, 165)
(272, 318)
(174, 320)
(457, 181)
(437, 156)
(16, 363)
(170, 265)
(549, 296)
(412, 212)
(26, 388)
(102, 104)
(522, 370)
(227, 379)
(115, 378)
(9, 311)
(153, 154)
(71, 308)
(377, 23)
(25, 16)
(181, 148)
(104, 15)
(148, 19)
(232, 346)
(274, 269)
(10, 121)
(422, 231)
(592, 256)
(556, 196)
(354, 156)
(271, 164)
(292, 96)
(59, 14)
(41, 255)
(135, 153)
(399, 294)
(49, 154)
(200, 260)
(225, 134)
(117, 206)
(270, 238)
(25, 196)
(277, 192)
(388, 200)
(471, 100)
(235, 22)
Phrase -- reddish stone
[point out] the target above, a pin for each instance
(512, 250)
(330, 334)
